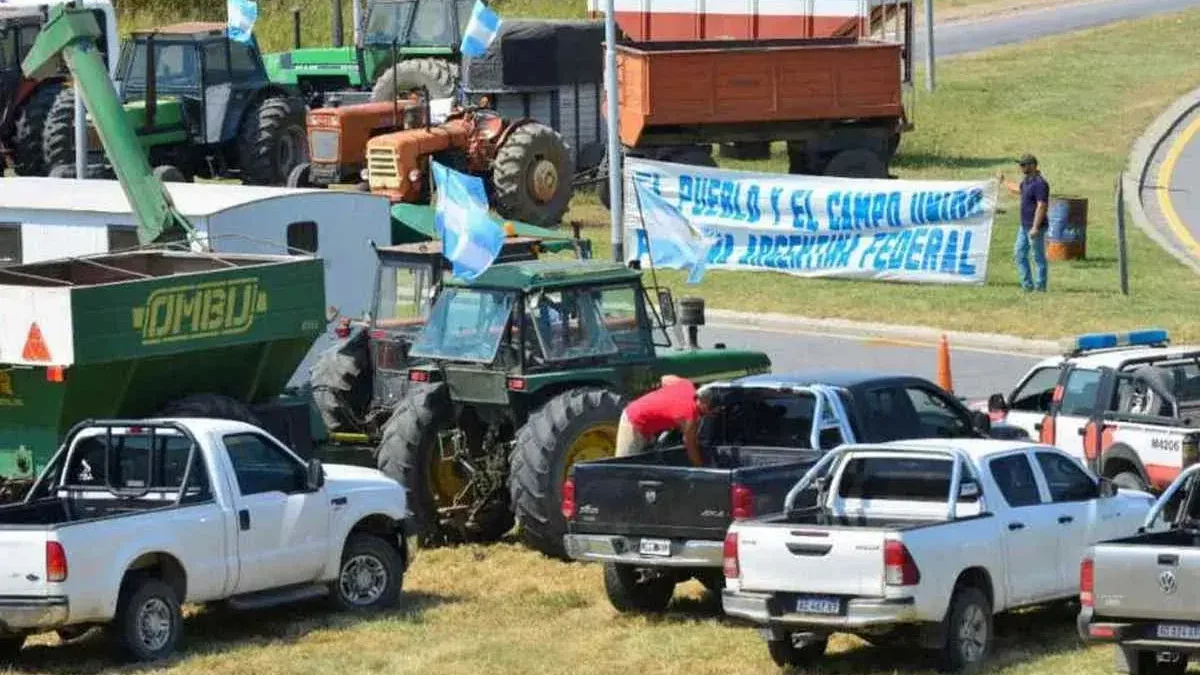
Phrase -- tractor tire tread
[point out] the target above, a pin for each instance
(513, 161)
(28, 157)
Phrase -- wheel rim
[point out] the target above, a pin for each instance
(444, 480)
(363, 580)
(972, 634)
(596, 442)
(153, 624)
(543, 180)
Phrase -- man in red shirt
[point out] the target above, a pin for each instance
(674, 405)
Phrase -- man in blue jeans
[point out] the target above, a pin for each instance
(1035, 199)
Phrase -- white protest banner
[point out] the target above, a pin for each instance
(822, 226)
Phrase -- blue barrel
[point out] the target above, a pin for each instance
(1066, 236)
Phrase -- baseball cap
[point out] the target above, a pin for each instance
(1027, 159)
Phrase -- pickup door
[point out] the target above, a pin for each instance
(659, 494)
(282, 527)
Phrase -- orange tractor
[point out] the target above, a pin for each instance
(386, 147)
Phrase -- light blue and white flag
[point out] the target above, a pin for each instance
(480, 31)
(242, 15)
(471, 239)
(672, 241)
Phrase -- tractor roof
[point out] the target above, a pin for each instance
(197, 30)
(525, 276)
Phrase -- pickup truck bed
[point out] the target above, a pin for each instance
(53, 512)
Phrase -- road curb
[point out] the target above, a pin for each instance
(881, 331)
(1141, 158)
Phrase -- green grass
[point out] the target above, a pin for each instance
(1077, 102)
(503, 610)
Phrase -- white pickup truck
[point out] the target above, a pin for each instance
(870, 542)
(131, 519)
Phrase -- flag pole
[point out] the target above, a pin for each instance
(615, 182)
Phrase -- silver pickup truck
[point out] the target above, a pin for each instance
(1142, 593)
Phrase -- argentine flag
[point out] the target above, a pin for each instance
(672, 241)
(471, 240)
(480, 31)
(242, 15)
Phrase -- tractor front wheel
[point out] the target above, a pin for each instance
(272, 141)
(532, 175)
(58, 132)
(438, 76)
(301, 177)
(28, 156)
(577, 425)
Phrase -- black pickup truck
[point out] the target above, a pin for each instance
(655, 521)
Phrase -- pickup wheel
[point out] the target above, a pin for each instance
(149, 621)
(370, 576)
(638, 589)
(968, 632)
(577, 425)
(786, 653)
(10, 649)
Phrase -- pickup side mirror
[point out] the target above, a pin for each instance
(1107, 488)
(996, 403)
(315, 476)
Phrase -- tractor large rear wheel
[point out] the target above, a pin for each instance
(577, 425)
(58, 133)
(415, 453)
(272, 141)
(532, 175)
(341, 383)
(438, 76)
(29, 159)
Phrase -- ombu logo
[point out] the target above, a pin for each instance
(199, 311)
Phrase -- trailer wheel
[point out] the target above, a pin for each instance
(210, 405)
(638, 589)
(786, 653)
(28, 157)
(58, 132)
(856, 163)
(10, 649)
(532, 174)
(439, 76)
(272, 141)
(577, 425)
(341, 382)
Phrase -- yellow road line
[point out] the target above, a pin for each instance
(1165, 174)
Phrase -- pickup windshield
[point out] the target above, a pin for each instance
(761, 419)
(465, 324)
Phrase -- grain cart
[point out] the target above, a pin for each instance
(528, 369)
(148, 332)
(402, 45)
(24, 103)
(203, 107)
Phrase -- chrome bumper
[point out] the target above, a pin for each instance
(620, 549)
(21, 614)
(859, 612)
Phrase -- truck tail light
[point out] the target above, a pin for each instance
(899, 567)
(729, 554)
(1087, 582)
(418, 376)
(568, 499)
(56, 561)
(742, 500)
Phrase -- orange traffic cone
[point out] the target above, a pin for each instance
(943, 365)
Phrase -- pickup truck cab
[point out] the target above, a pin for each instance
(1142, 592)
(921, 543)
(133, 518)
(655, 521)
(1126, 404)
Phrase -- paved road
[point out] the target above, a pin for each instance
(975, 374)
(960, 38)
(1172, 191)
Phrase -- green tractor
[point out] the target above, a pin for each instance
(526, 371)
(402, 45)
(203, 107)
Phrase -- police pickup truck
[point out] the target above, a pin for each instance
(1127, 404)
(655, 521)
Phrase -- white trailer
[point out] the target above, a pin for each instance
(50, 218)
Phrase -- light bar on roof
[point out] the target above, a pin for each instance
(1147, 337)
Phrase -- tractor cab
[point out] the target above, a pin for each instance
(417, 23)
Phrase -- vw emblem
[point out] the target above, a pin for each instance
(651, 496)
(1166, 581)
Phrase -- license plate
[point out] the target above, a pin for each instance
(816, 605)
(658, 547)
(1177, 631)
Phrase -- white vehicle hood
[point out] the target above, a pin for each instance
(343, 478)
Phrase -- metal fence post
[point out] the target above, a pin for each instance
(1122, 252)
